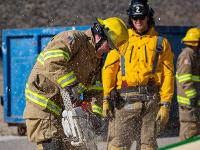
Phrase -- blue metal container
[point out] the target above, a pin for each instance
(20, 49)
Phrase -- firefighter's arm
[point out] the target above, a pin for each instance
(96, 87)
(94, 94)
(109, 75)
(167, 83)
(109, 71)
(185, 79)
(58, 64)
(167, 86)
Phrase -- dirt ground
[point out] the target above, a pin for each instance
(4, 128)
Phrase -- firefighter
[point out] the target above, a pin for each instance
(70, 61)
(138, 83)
(188, 85)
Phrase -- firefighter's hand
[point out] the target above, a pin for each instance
(106, 109)
(114, 95)
(163, 115)
(74, 93)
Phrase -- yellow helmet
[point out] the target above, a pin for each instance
(115, 30)
(192, 37)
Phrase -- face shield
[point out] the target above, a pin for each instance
(104, 33)
(114, 31)
(109, 39)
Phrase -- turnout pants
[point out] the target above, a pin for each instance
(48, 135)
(134, 121)
(189, 122)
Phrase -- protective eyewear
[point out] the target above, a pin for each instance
(138, 17)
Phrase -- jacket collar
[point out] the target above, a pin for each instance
(151, 32)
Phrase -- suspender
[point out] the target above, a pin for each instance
(158, 52)
(123, 65)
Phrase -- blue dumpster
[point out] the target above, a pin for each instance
(20, 49)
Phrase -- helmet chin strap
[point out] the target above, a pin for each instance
(97, 45)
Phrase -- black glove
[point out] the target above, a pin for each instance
(88, 95)
(74, 93)
(194, 102)
(115, 100)
(114, 95)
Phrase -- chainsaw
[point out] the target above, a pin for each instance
(77, 122)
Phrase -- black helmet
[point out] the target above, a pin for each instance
(138, 8)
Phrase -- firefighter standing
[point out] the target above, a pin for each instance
(188, 85)
(138, 82)
(70, 61)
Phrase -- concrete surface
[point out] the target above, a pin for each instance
(21, 143)
(189, 146)
(15, 143)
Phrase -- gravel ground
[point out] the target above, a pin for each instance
(4, 128)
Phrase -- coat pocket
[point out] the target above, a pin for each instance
(188, 114)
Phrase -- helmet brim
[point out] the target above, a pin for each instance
(100, 21)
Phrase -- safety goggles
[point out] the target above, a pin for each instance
(138, 17)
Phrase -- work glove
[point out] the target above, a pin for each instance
(116, 100)
(75, 94)
(114, 96)
(163, 116)
(107, 112)
(76, 91)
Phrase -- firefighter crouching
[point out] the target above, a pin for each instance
(69, 62)
(188, 85)
(138, 83)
